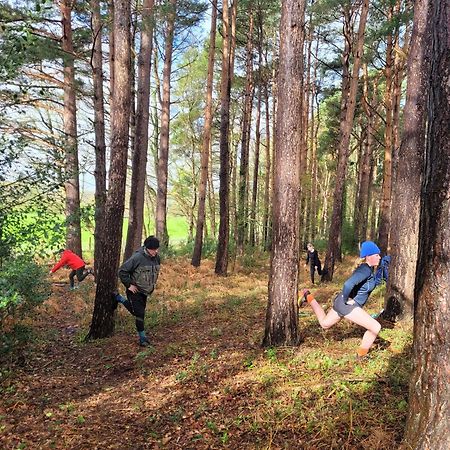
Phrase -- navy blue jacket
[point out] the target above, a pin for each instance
(360, 284)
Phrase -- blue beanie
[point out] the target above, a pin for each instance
(368, 248)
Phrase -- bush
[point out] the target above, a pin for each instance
(23, 286)
(184, 248)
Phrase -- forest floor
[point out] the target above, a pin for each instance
(205, 382)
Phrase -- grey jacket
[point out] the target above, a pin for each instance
(141, 270)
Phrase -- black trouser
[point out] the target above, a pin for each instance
(136, 303)
(80, 273)
(312, 269)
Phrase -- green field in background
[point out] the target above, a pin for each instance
(176, 226)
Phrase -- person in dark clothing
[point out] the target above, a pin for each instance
(78, 266)
(354, 295)
(139, 275)
(312, 257)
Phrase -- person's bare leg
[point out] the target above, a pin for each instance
(360, 317)
(326, 320)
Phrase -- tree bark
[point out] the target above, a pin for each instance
(335, 231)
(72, 182)
(315, 124)
(399, 298)
(111, 50)
(428, 423)
(385, 206)
(362, 204)
(201, 212)
(242, 214)
(268, 167)
(224, 176)
(211, 197)
(254, 202)
(163, 157)
(282, 308)
(102, 324)
(139, 162)
(99, 129)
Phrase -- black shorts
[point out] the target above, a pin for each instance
(342, 308)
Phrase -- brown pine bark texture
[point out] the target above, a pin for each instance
(102, 324)
(385, 206)
(163, 159)
(99, 128)
(347, 115)
(72, 183)
(282, 308)
(201, 211)
(404, 239)
(242, 214)
(428, 425)
(221, 266)
(139, 162)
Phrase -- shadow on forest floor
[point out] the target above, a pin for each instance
(205, 382)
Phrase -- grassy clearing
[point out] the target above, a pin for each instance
(205, 382)
(177, 228)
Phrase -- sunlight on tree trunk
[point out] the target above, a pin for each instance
(102, 324)
(99, 128)
(163, 157)
(225, 87)
(72, 181)
(399, 296)
(139, 162)
(335, 231)
(201, 212)
(282, 307)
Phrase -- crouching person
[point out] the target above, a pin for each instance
(139, 275)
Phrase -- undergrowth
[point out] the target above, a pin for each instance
(206, 382)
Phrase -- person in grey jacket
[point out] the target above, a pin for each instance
(139, 274)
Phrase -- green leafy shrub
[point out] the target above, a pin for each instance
(23, 286)
(186, 248)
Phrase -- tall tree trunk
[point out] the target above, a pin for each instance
(234, 151)
(139, 163)
(406, 187)
(306, 179)
(428, 424)
(72, 181)
(132, 137)
(211, 197)
(362, 204)
(257, 138)
(242, 213)
(305, 163)
(102, 324)
(163, 157)
(111, 49)
(225, 88)
(335, 231)
(99, 128)
(201, 212)
(274, 146)
(385, 207)
(282, 307)
(373, 201)
(268, 167)
(157, 100)
(315, 123)
(399, 69)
